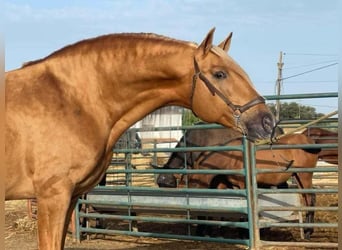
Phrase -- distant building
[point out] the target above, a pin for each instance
(163, 117)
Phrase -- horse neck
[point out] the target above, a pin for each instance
(128, 83)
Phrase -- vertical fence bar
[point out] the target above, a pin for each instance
(249, 196)
(252, 197)
(254, 193)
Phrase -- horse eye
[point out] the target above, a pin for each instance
(220, 75)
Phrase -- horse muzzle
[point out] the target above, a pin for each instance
(166, 181)
(260, 126)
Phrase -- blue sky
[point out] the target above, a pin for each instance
(305, 30)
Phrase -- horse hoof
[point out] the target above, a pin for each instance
(307, 233)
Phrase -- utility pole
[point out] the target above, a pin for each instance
(279, 83)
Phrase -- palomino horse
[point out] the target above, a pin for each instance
(65, 112)
(324, 136)
(277, 159)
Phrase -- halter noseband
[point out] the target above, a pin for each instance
(237, 109)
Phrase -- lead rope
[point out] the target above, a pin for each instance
(270, 141)
(275, 139)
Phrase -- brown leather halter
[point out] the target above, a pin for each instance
(237, 109)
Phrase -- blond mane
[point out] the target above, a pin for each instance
(126, 36)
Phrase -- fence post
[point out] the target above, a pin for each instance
(252, 196)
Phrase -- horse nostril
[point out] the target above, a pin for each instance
(268, 123)
(166, 180)
(161, 178)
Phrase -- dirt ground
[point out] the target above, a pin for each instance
(20, 233)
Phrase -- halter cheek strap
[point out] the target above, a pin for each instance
(237, 109)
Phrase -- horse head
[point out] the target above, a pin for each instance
(222, 92)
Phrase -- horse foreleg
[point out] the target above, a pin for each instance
(305, 181)
(68, 219)
(310, 215)
(53, 209)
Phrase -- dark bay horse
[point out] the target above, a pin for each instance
(280, 159)
(65, 112)
(324, 136)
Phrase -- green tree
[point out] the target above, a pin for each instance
(293, 110)
(189, 118)
(288, 111)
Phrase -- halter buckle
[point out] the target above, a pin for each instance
(237, 115)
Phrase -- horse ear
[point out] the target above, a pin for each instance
(225, 45)
(207, 43)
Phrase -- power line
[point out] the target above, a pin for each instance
(309, 71)
(309, 54)
(314, 81)
(312, 64)
(306, 81)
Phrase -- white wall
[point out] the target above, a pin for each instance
(164, 117)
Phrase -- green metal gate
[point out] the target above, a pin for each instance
(128, 202)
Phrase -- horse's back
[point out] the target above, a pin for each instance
(318, 132)
(306, 157)
(16, 83)
(325, 136)
(296, 139)
(211, 137)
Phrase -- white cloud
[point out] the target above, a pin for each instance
(24, 13)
